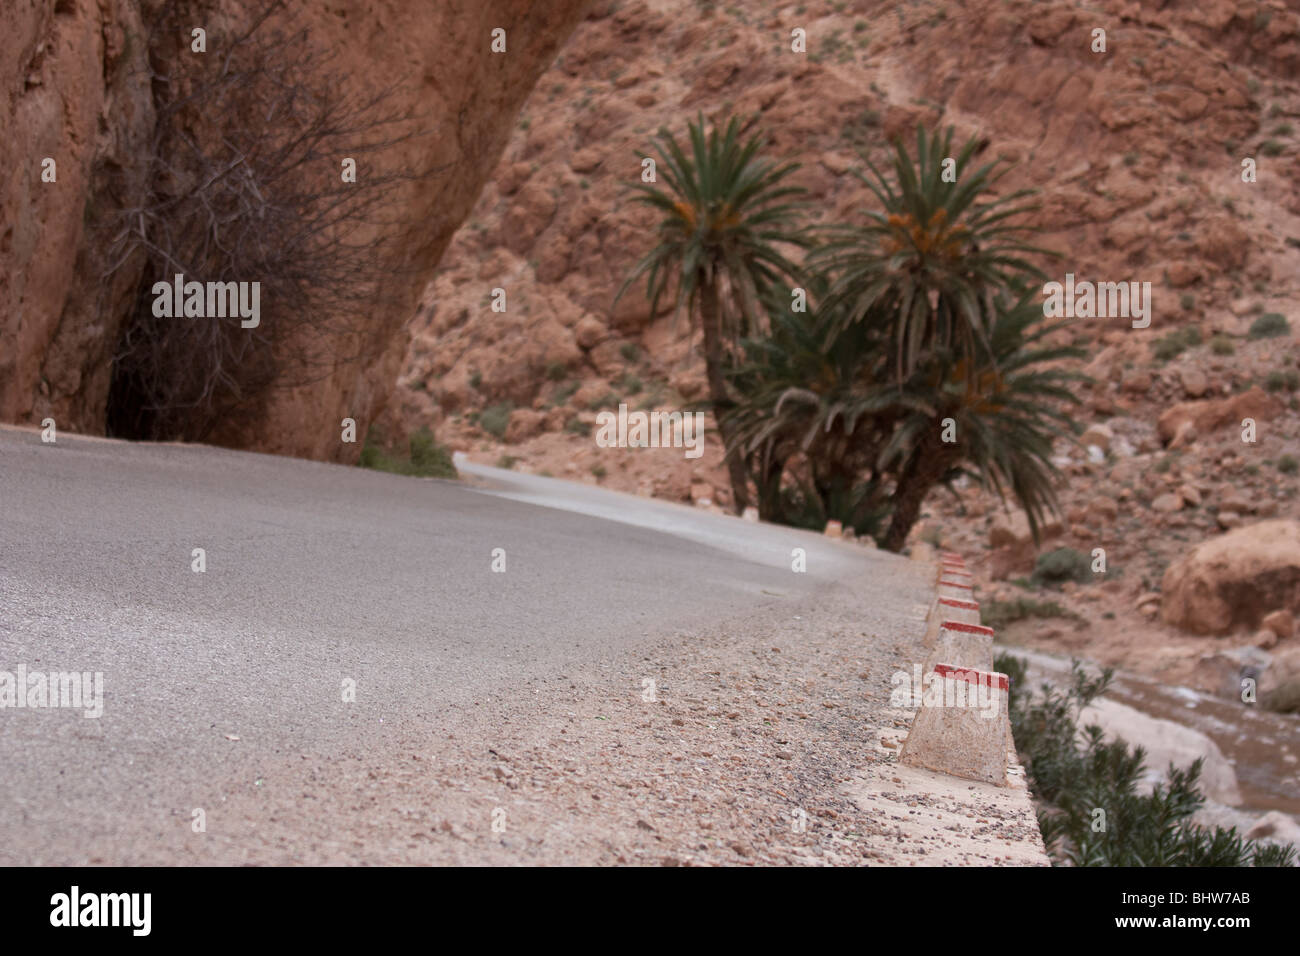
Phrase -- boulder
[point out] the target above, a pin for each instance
(1166, 742)
(1012, 529)
(1215, 413)
(1281, 623)
(1167, 502)
(1194, 381)
(1234, 579)
(1098, 435)
(1276, 826)
(1282, 675)
(524, 423)
(1223, 671)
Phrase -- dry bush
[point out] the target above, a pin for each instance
(245, 186)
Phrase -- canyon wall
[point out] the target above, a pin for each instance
(79, 92)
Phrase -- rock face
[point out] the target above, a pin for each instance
(1166, 742)
(1210, 415)
(77, 91)
(1235, 579)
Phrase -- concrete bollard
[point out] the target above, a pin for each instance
(961, 727)
(962, 645)
(957, 590)
(950, 609)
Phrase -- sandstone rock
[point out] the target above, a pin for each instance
(1227, 520)
(1103, 510)
(1212, 414)
(1234, 579)
(1282, 673)
(1136, 381)
(586, 160)
(524, 423)
(1278, 827)
(1184, 435)
(1236, 500)
(590, 331)
(1223, 672)
(1166, 742)
(1265, 638)
(1167, 503)
(1098, 435)
(1190, 495)
(530, 213)
(1223, 243)
(1281, 623)
(1194, 381)
(1013, 529)
(1184, 273)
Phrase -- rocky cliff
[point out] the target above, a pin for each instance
(86, 83)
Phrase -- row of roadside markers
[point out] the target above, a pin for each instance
(964, 731)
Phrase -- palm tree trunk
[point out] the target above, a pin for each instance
(927, 465)
(715, 370)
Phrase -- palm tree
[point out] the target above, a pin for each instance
(1006, 405)
(936, 253)
(814, 390)
(816, 387)
(724, 211)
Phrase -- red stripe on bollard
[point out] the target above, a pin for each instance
(987, 678)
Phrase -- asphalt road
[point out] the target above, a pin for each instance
(315, 575)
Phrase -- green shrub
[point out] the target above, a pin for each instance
(629, 351)
(997, 614)
(1270, 325)
(1063, 564)
(475, 379)
(630, 384)
(1222, 345)
(495, 418)
(1288, 464)
(1072, 774)
(1282, 380)
(576, 426)
(428, 458)
(1176, 342)
(507, 461)
(555, 371)
(425, 458)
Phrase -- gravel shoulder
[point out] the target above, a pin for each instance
(769, 742)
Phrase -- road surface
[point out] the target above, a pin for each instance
(323, 577)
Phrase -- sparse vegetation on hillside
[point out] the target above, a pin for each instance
(1270, 325)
